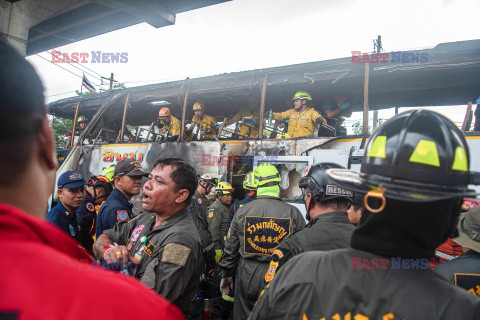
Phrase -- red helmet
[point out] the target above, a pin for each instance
(164, 112)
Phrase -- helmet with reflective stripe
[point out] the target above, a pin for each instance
(250, 183)
(302, 95)
(266, 175)
(321, 186)
(198, 106)
(283, 136)
(82, 119)
(164, 112)
(209, 178)
(224, 188)
(416, 156)
(100, 181)
(108, 173)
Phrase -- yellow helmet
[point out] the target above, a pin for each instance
(224, 188)
(302, 95)
(82, 119)
(250, 183)
(198, 106)
(108, 173)
(267, 175)
(283, 136)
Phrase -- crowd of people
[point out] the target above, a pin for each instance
(361, 252)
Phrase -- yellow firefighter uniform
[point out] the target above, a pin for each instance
(247, 130)
(174, 127)
(206, 124)
(299, 124)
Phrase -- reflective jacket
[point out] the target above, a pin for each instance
(206, 124)
(247, 129)
(173, 128)
(299, 124)
(355, 284)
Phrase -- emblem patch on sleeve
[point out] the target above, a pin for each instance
(199, 201)
(271, 271)
(122, 215)
(469, 282)
(90, 207)
(210, 213)
(264, 234)
(175, 253)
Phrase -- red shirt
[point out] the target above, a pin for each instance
(45, 274)
(446, 252)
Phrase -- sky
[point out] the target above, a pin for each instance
(250, 34)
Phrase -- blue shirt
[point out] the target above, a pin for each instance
(115, 209)
(85, 216)
(66, 221)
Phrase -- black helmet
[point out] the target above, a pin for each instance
(100, 181)
(416, 156)
(321, 186)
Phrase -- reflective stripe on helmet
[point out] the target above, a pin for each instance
(377, 150)
(426, 153)
(460, 163)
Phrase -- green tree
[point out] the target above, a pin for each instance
(357, 127)
(60, 128)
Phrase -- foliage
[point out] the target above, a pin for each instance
(60, 128)
(357, 127)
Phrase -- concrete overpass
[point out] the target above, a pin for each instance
(34, 26)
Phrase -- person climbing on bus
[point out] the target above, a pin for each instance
(334, 114)
(207, 125)
(303, 120)
(82, 123)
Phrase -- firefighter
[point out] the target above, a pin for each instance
(250, 187)
(97, 190)
(217, 216)
(248, 119)
(257, 229)
(118, 208)
(200, 202)
(464, 271)
(207, 124)
(167, 122)
(334, 114)
(329, 227)
(82, 122)
(302, 119)
(108, 173)
(414, 174)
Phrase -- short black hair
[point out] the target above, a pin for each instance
(22, 109)
(183, 175)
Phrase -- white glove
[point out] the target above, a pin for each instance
(226, 284)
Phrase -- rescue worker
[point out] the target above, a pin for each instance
(167, 122)
(206, 124)
(164, 245)
(329, 228)
(283, 136)
(71, 193)
(97, 190)
(334, 114)
(247, 120)
(82, 123)
(257, 229)
(464, 271)
(250, 187)
(302, 119)
(117, 208)
(38, 259)
(356, 209)
(217, 216)
(200, 201)
(416, 168)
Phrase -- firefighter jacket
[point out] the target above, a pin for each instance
(355, 284)
(300, 124)
(257, 229)
(248, 123)
(171, 258)
(325, 232)
(173, 128)
(207, 125)
(217, 218)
